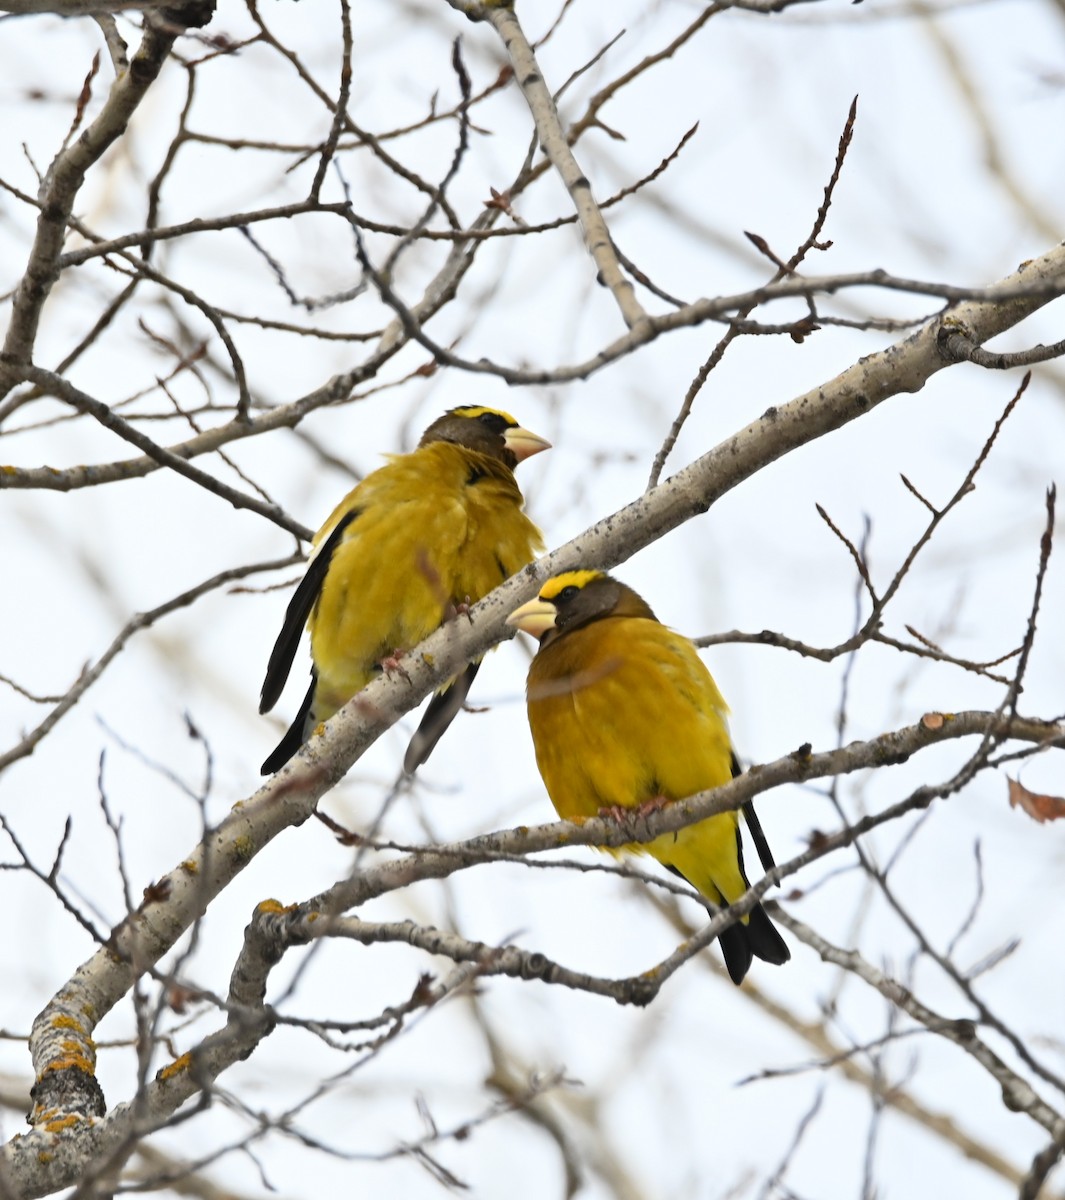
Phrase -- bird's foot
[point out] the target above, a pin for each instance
(459, 608)
(617, 813)
(653, 805)
(630, 816)
(392, 664)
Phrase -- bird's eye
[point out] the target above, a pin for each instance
(567, 593)
(493, 420)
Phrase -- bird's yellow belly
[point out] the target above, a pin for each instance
(619, 731)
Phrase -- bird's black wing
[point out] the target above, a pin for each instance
(761, 845)
(299, 609)
(443, 708)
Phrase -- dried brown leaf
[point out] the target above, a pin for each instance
(1040, 808)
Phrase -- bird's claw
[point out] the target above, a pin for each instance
(392, 664)
(653, 805)
(460, 608)
(617, 813)
(631, 816)
(623, 814)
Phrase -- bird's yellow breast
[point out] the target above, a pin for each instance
(624, 711)
(432, 529)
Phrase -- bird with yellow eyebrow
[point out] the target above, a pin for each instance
(415, 541)
(624, 714)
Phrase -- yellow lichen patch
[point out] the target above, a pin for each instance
(428, 659)
(67, 1061)
(65, 1022)
(274, 906)
(44, 1157)
(175, 1068)
(242, 848)
(74, 1048)
(313, 916)
(63, 1123)
(190, 867)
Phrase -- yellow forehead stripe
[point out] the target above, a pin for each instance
(558, 583)
(473, 411)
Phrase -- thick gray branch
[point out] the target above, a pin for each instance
(903, 367)
(288, 799)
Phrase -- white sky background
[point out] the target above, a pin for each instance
(918, 198)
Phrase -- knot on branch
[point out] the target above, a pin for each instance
(641, 991)
(537, 966)
(64, 1091)
(955, 341)
(193, 14)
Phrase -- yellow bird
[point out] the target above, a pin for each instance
(624, 714)
(417, 539)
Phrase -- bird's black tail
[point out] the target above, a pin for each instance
(742, 943)
(759, 938)
(297, 733)
(736, 951)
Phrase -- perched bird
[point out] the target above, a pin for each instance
(623, 715)
(417, 539)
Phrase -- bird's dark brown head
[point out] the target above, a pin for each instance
(487, 431)
(577, 598)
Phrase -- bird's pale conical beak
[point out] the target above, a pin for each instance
(535, 617)
(523, 443)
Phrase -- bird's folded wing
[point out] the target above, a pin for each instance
(442, 709)
(761, 844)
(299, 609)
